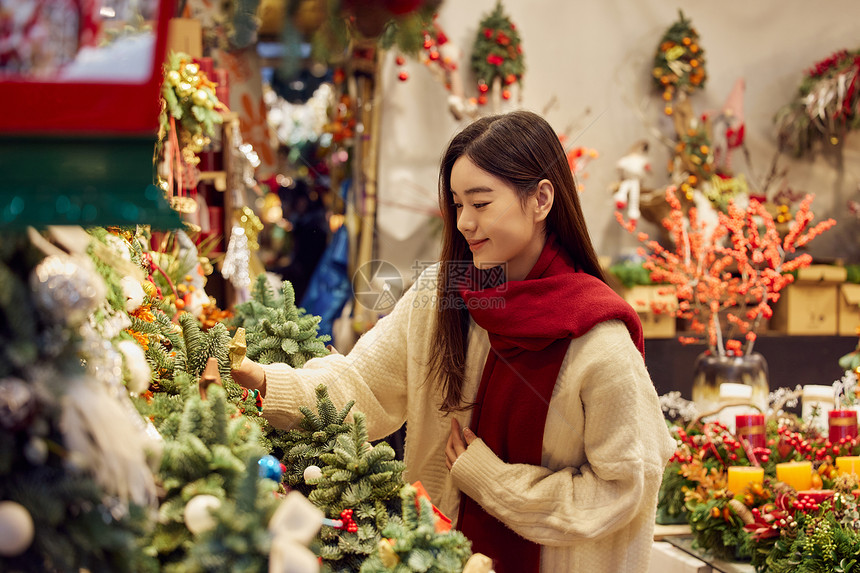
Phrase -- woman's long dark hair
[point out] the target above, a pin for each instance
(522, 149)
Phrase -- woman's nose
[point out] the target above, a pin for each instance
(465, 222)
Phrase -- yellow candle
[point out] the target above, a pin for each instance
(796, 474)
(848, 465)
(740, 477)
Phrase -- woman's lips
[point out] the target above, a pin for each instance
(475, 245)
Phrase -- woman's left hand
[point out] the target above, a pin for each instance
(457, 443)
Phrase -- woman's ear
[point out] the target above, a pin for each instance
(544, 197)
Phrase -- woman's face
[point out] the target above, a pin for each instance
(499, 228)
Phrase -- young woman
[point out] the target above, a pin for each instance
(515, 337)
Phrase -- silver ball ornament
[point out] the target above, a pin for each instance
(66, 290)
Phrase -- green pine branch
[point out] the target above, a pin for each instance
(365, 479)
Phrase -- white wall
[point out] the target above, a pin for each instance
(597, 56)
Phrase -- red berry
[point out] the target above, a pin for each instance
(434, 55)
(400, 60)
(403, 76)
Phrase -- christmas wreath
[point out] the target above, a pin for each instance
(827, 104)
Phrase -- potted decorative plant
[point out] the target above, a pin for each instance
(726, 280)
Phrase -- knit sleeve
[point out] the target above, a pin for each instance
(626, 445)
(374, 374)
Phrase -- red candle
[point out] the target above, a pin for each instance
(842, 424)
(751, 428)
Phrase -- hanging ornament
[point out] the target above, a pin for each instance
(198, 513)
(237, 259)
(679, 64)
(66, 290)
(270, 467)
(16, 529)
(497, 54)
(17, 404)
(312, 473)
(237, 348)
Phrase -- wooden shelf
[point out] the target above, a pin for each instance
(791, 360)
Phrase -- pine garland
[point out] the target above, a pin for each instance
(415, 545)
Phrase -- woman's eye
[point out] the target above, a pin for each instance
(457, 205)
(479, 205)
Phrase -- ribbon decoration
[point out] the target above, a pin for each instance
(293, 526)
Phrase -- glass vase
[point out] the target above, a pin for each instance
(710, 371)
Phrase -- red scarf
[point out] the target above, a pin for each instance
(530, 324)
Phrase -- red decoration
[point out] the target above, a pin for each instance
(751, 428)
(403, 76)
(401, 7)
(400, 60)
(483, 88)
(349, 523)
(443, 522)
(842, 424)
(506, 94)
(95, 108)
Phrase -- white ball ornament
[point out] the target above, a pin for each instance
(198, 516)
(16, 528)
(312, 472)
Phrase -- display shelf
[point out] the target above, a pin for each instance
(791, 360)
(685, 544)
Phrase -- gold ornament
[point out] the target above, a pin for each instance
(191, 69)
(149, 288)
(184, 89)
(237, 348)
(252, 225)
(173, 77)
(387, 555)
(200, 97)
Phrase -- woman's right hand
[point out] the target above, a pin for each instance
(250, 375)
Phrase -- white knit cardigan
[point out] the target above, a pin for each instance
(591, 503)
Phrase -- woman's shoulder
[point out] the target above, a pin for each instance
(605, 340)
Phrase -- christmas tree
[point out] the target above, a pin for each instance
(360, 485)
(413, 543)
(75, 487)
(497, 55)
(278, 331)
(208, 450)
(316, 435)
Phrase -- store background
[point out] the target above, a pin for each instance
(588, 68)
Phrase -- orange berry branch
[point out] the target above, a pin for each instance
(737, 270)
